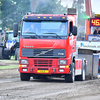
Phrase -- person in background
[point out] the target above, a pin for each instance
(97, 31)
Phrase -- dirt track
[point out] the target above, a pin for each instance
(8, 62)
(11, 88)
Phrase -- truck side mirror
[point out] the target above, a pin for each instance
(15, 29)
(71, 27)
(74, 32)
(19, 33)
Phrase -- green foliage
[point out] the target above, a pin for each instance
(51, 7)
(12, 11)
(78, 4)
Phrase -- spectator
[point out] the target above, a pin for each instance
(97, 31)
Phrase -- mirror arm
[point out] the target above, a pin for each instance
(70, 34)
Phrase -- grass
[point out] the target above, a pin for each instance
(12, 60)
(9, 61)
(9, 67)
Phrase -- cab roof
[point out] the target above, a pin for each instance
(45, 17)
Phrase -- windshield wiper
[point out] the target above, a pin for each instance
(29, 37)
(31, 33)
(53, 33)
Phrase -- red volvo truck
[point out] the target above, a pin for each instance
(48, 48)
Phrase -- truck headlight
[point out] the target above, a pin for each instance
(23, 61)
(62, 62)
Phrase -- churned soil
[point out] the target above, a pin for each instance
(8, 73)
(12, 88)
(8, 62)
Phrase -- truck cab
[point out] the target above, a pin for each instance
(48, 47)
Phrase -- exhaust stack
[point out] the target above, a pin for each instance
(71, 11)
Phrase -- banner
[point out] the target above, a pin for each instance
(88, 45)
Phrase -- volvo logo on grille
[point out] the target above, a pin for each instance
(43, 52)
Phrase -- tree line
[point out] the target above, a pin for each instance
(13, 10)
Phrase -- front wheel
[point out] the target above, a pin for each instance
(24, 77)
(70, 77)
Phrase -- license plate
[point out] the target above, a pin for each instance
(42, 71)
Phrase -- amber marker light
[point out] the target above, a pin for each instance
(50, 17)
(19, 65)
(44, 17)
(63, 17)
(67, 66)
(26, 17)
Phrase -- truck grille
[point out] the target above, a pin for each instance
(43, 53)
(42, 63)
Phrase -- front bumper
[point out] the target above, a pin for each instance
(48, 71)
(44, 66)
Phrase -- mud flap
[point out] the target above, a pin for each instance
(82, 76)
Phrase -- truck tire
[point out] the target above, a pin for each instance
(1, 53)
(17, 54)
(70, 77)
(24, 77)
(82, 76)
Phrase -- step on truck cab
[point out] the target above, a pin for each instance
(48, 47)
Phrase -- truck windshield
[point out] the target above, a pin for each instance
(45, 29)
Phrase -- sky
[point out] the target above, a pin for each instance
(95, 5)
(67, 2)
